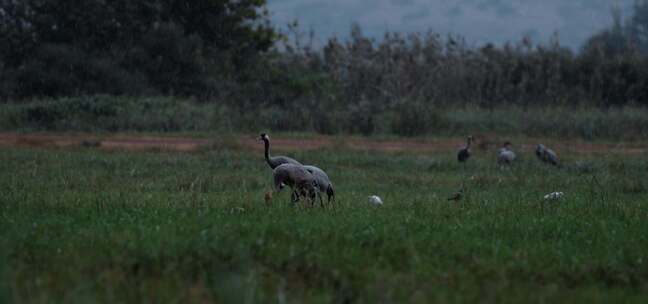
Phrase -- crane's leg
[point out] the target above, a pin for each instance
(331, 200)
(295, 197)
(312, 197)
(330, 196)
(319, 195)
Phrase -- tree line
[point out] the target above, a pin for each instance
(164, 47)
(226, 51)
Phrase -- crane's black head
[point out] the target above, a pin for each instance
(507, 144)
(264, 137)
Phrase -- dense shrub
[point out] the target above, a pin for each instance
(224, 54)
(410, 118)
(219, 50)
(413, 119)
(104, 113)
(147, 47)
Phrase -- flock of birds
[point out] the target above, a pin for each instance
(506, 155)
(307, 181)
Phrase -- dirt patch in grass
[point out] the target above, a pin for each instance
(180, 144)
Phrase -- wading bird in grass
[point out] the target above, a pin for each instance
(323, 182)
(464, 153)
(275, 161)
(546, 155)
(299, 180)
(505, 156)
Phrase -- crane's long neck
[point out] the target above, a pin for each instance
(267, 150)
(469, 142)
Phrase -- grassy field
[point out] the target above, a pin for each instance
(83, 226)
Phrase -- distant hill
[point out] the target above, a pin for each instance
(479, 21)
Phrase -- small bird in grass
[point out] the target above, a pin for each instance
(375, 200)
(464, 153)
(457, 196)
(506, 156)
(546, 155)
(554, 196)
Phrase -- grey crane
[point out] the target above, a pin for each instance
(506, 156)
(275, 161)
(298, 179)
(546, 155)
(464, 153)
(323, 182)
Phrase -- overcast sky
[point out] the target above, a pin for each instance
(479, 21)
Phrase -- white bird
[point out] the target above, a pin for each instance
(554, 196)
(375, 200)
(506, 156)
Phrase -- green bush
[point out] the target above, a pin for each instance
(408, 118)
(414, 119)
(105, 113)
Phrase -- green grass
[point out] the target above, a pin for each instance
(79, 226)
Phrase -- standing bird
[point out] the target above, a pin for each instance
(457, 195)
(506, 156)
(546, 155)
(275, 161)
(298, 179)
(323, 182)
(464, 153)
